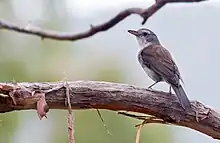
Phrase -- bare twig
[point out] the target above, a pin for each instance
(106, 128)
(112, 96)
(144, 13)
(140, 117)
(146, 121)
(71, 128)
(138, 134)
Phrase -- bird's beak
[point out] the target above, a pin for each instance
(133, 32)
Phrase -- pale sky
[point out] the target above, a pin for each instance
(80, 8)
(91, 7)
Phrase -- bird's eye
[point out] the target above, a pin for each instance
(145, 33)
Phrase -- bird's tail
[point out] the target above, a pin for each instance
(181, 95)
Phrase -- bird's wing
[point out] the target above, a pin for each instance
(160, 61)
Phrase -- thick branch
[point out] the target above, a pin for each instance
(111, 96)
(144, 13)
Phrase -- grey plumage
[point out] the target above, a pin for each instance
(158, 63)
(181, 95)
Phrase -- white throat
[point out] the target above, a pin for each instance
(144, 45)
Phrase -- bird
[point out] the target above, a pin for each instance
(158, 63)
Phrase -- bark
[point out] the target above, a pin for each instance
(111, 96)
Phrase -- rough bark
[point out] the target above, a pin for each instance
(111, 96)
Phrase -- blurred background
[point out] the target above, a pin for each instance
(189, 31)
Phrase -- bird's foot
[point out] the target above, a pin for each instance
(150, 88)
(170, 92)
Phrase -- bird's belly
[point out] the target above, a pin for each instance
(152, 74)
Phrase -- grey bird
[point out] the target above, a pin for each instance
(158, 63)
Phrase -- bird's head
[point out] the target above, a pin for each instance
(145, 37)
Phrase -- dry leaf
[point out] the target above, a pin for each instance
(42, 107)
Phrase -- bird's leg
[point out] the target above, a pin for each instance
(150, 87)
(170, 90)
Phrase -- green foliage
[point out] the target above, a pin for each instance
(8, 124)
(12, 70)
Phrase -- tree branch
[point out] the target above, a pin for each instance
(111, 96)
(144, 13)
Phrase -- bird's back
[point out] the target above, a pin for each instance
(159, 60)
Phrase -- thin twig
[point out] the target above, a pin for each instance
(144, 13)
(106, 128)
(138, 134)
(71, 128)
(140, 117)
(140, 126)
